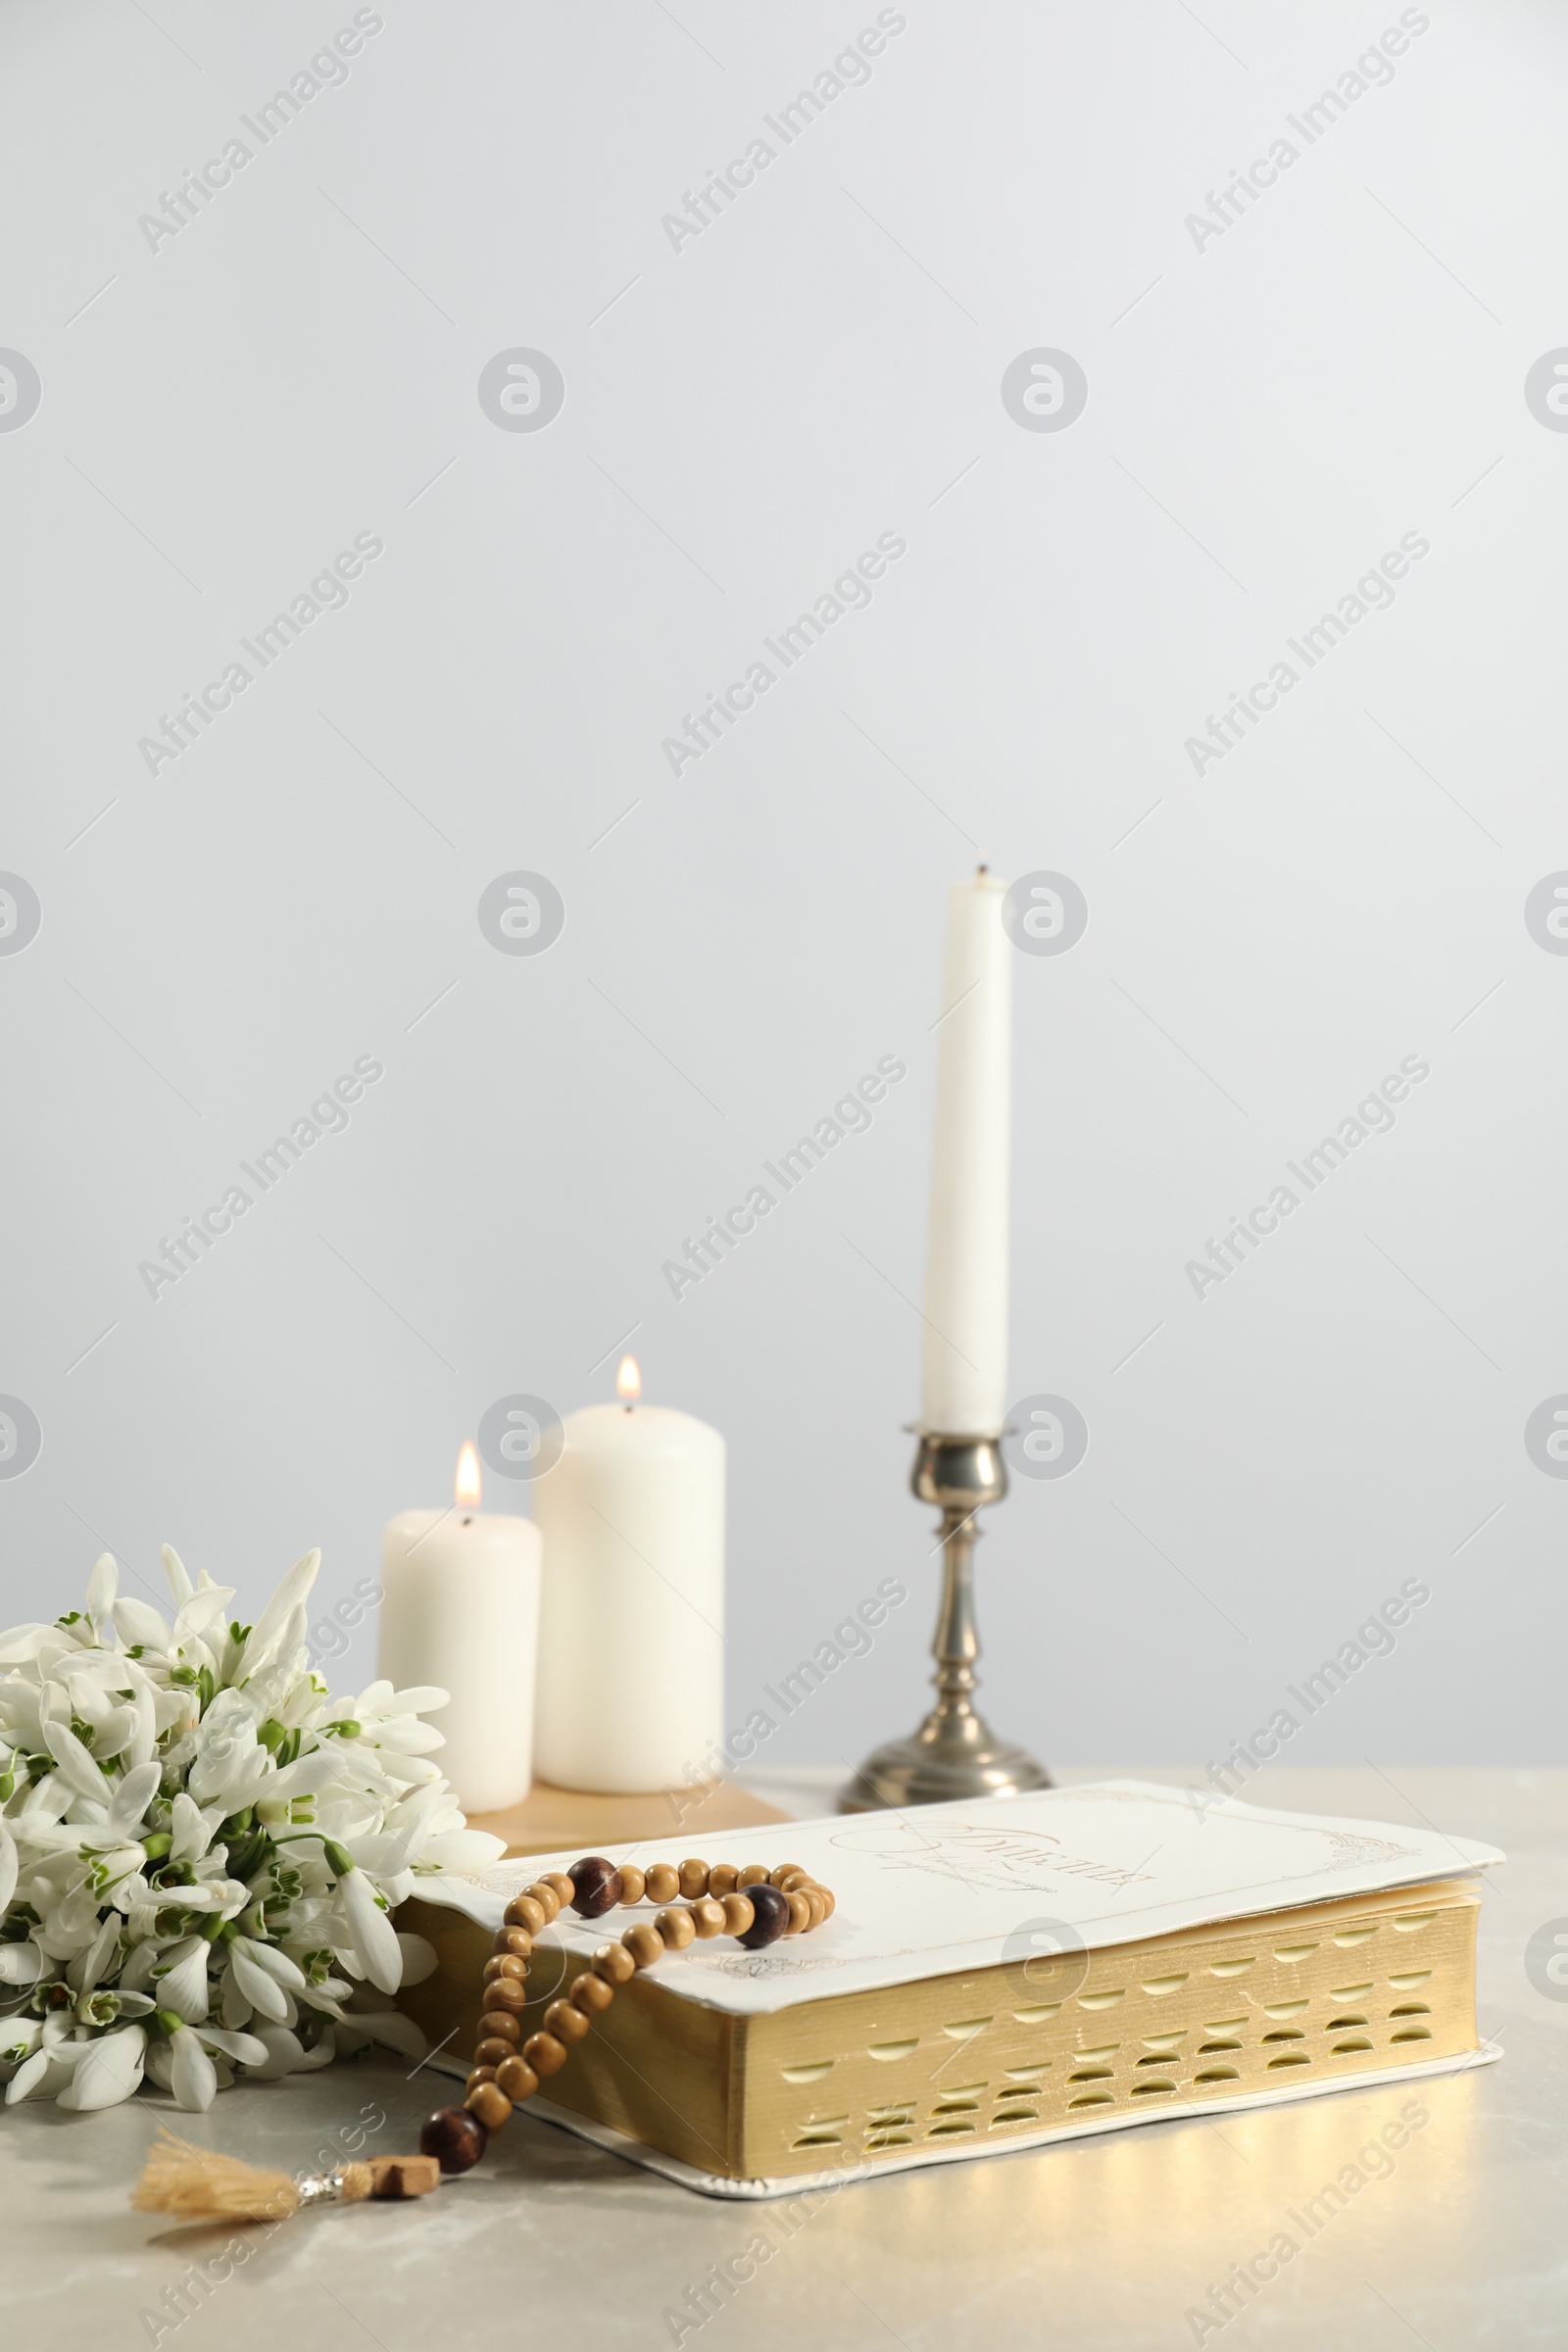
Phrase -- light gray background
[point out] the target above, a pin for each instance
(741, 417)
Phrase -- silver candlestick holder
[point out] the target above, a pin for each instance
(954, 1754)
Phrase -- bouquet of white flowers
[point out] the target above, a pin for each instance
(200, 1849)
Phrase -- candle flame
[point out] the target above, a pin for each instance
(628, 1380)
(468, 1487)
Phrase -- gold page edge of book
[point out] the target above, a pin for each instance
(976, 2057)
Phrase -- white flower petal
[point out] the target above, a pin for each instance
(262, 1990)
(75, 1762)
(370, 1930)
(20, 1964)
(21, 1644)
(420, 1958)
(321, 2053)
(285, 2054)
(234, 2009)
(184, 1988)
(109, 2072)
(203, 1611)
(277, 1965)
(267, 1635)
(245, 2048)
(461, 1850)
(88, 1698)
(180, 1584)
(29, 2077)
(137, 1622)
(192, 2076)
(191, 1829)
(19, 2039)
(388, 2027)
(146, 1955)
(133, 1794)
(138, 1748)
(115, 1733)
(8, 1869)
(102, 1586)
(385, 1853)
(85, 1971)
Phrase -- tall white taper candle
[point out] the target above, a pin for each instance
(964, 1391)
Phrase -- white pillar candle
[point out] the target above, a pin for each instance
(965, 1390)
(459, 1608)
(632, 1642)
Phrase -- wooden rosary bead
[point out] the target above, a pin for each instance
(596, 1886)
(771, 1916)
(645, 1944)
(613, 1963)
(497, 2025)
(454, 2136)
(490, 2104)
(565, 2022)
(677, 1927)
(517, 2079)
(544, 2053)
(755, 1906)
(738, 1914)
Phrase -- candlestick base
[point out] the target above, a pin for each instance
(955, 1754)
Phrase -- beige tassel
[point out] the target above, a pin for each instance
(197, 2184)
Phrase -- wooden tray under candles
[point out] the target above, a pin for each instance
(549, 1820)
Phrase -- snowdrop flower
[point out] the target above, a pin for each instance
(183, 2064)
(369, 1931)
(108, 2070)
(192, 1832)
(266, 1978)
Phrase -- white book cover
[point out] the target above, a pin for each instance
(944, 1889)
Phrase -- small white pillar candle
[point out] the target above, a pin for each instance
(631, 1642)
(459, 1608)
(965, 1389)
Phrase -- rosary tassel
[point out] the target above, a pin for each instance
(196, 2185)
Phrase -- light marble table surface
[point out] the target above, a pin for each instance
(1108, 2242)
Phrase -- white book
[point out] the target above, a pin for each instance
(1032, 1914)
